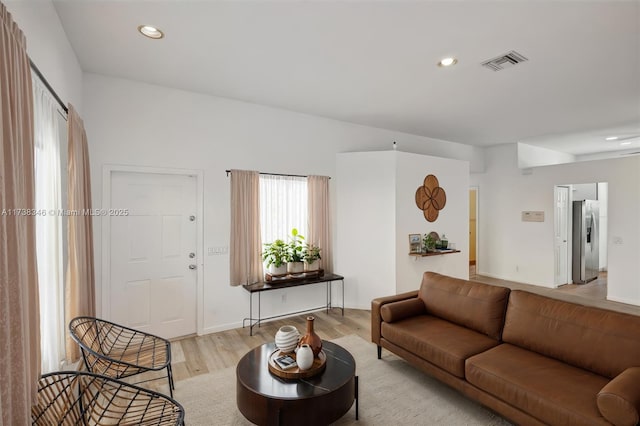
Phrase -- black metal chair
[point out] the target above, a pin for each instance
(116, 351)
(82, 398)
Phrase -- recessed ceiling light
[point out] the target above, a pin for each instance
(150, 31)
(611, 138)
(625, 143)
(447, 62)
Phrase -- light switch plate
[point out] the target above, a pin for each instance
(532, 216)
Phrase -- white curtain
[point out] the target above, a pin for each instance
(320, 219)
(48, 227)
(283, 206)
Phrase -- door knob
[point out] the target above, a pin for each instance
(192, 266)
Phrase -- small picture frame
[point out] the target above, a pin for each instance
(415, 243)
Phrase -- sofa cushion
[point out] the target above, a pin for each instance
(550, 390)
(396, 311)
(480, 307)
(440, 342)
(619, 400)
(597, 340)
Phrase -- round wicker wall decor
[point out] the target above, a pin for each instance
(431, 198)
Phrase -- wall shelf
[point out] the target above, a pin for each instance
(434, 253)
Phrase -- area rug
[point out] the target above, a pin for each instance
(391, 393)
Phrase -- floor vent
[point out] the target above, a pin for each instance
(504, 61)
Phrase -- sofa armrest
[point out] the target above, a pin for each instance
(397, 311)
(619, 400)
(376, 316)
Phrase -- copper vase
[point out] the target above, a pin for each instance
(311, 338)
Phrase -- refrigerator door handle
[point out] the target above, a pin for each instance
(594, 230)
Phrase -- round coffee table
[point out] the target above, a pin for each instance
(265, 399)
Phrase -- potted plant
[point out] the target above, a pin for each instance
(294, 253)
(275, 257)
(429, 243)
(311, 255)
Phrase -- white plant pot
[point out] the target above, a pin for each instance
(295, 267)
(313, 266)
(280, 270)
(304, 357)
(287, 338)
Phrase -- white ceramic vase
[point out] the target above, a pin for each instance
(295, 267)
(280, 270)
(310, 267)
(287, 338)
(304, 357)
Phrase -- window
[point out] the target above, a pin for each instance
(266, 207)
(49, 227)
(283, 206)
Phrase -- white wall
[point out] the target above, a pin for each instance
(139, 124)
(377, 210)
(366, 225)
(523, 251)
(533, 156)
(49, 48)
(584, 191)
(603, 197)
(453, 220)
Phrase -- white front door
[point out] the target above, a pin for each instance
(152, 251)
(561, 235)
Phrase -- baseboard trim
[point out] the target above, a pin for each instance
(624, 300)
(498, 277)
(221, 327)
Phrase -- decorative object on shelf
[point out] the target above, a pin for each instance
(275, 257)
(444, 243)
(415, 243)
(304, 357)
(311, 255)
(429, 242)
(295, 263)
(311, 338)
(287, 338)
(431, 198)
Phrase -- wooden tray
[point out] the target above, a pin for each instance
(287, 278)
(319, 364)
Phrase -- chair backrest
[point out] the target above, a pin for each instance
(58, 400)
(85, 331)
(81, 398)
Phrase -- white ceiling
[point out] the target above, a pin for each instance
(374, 62)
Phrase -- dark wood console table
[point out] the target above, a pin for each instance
(278, 285)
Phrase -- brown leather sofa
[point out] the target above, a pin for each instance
(532, 359)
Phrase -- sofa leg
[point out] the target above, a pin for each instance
(379, 352)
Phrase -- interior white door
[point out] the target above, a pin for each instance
(153, 253)
(561, 235)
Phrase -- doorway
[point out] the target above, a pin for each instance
(564, 196)
(150, 247)
(561, 235)
(473, 230)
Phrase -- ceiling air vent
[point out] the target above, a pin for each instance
(504, 61)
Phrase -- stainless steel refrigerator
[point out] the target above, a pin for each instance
(586, 242)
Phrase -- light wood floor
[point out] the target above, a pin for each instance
(197, 355)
